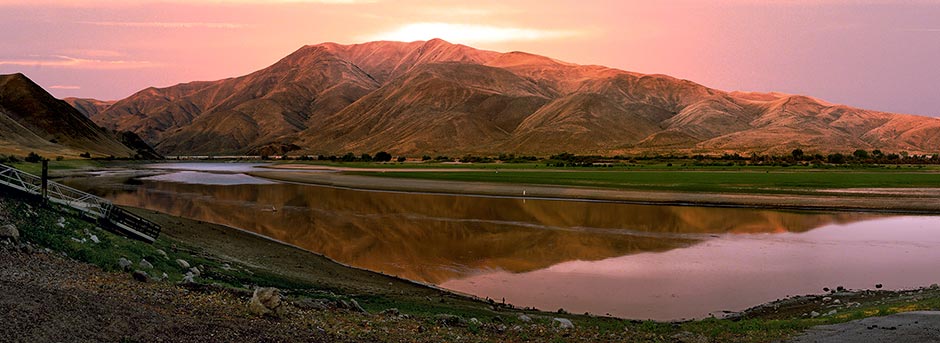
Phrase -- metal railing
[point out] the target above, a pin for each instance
(90, 204)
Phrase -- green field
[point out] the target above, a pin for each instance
(770, 180)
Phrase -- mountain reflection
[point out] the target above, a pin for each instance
(436, 238)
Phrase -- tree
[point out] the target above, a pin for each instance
(877, 153)
(836, 158)
(797, 154)
(426, 158)
(33, 157)
(401, 159)
(860, 154)
(382, 156)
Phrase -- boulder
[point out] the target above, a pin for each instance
(354, 305)
(144, 264)
(564, 323)
(525, 318)
(94, 238)
(474, 322)
(9, 232)
(182, 263)
(125, 264)
(188, 278)
(449, 320)
(265, 301)
(141, 276)
(195, 271)
(162, 253)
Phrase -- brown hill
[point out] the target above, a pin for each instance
(89, 107)
(437, 97)
(31, 120)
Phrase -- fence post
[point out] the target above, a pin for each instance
(45, 179)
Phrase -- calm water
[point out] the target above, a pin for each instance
(636, 261)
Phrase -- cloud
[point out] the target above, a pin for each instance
(469, 33)
(68, 87)
(164, 24)
(78, 63)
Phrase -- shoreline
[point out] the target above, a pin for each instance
(915, 204)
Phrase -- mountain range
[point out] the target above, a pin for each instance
(32, 120)
(434, 97)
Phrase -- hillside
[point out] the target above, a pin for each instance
(31, 120)
(435, 97)
(89, 107)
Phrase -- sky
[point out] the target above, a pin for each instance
(874, 54)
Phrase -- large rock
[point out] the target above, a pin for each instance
(9, 232)
(564, 323)
(144, 264)
(125, 264)
(182, 263)
(141, 276)
(265, 301)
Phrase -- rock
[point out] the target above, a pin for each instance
(475, 322)
(141, 276)
(837, 301)
(564, 323)
(144, 264)
(934, 286)
(826, 299)
(525, 318)
(814, 314)
(226, 266)
(61, 220)
(195, 271)
(94, 238)
(125, 264)
(449, 320)
(392, 312)
(830, 313)
(182, 263)
(354, 305)
(9, 232)
(188, 278)
(162, 253)
(313, 304)
(265, 301)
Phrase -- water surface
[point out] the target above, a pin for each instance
(637, 261)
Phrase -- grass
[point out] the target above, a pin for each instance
(750, 181)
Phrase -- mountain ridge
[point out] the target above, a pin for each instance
(437, 97)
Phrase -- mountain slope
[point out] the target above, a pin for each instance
(89, 107)
(31, 120)
(437, 97)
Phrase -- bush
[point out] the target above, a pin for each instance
(401, 159)
(382, 156)
(85, 155)
(33, 158)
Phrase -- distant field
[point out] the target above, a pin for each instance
(776, 180)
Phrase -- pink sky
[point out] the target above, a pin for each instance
(873, 54)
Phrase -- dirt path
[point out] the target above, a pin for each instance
(912, 327)
(908, 203)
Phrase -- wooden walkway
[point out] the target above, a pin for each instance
(108, 214)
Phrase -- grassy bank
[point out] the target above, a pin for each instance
(789, 181)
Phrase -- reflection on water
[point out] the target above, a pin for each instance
(662, 262)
